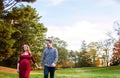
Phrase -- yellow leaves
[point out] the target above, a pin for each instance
(98, 62)
(39, 53)
(59, 66)
(91, 52)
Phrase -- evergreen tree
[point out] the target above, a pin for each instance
(28, 30)
(6, 41)
(83, 60)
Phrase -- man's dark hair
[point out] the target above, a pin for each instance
(49, 40)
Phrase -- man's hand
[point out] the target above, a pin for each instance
(53, 65)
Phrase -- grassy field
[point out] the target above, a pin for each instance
(85, 72)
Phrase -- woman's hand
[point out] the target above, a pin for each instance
(17, 70)
(40, 67)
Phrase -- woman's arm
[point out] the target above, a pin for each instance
(36, 65)
(18, 67)
(34, 61)
(18, 64)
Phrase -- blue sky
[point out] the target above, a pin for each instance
(76, 20)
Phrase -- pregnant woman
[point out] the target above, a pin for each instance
(23, 65)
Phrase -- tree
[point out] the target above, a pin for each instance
(29, 30)
(93, 49)
(9, 27)
(6, 5)
(83, 60)
(116, 50)
(116, 54)
(73, 57)
(11, 3)
(1, 6)
(106, 46)
(6, 41)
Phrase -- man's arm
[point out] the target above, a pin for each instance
(56, 58)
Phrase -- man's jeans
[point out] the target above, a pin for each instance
(47, 70)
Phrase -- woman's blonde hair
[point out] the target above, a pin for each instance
(29, 51)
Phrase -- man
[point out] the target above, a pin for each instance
(49, 59)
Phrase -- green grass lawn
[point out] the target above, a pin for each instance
(85, 72)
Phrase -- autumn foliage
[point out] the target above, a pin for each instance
(116, 54)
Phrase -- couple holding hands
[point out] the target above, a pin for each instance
(49, 61)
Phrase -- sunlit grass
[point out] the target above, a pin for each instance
(85, 72)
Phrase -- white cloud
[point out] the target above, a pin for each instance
(78, 32)
(106, 3)
(56, 2)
